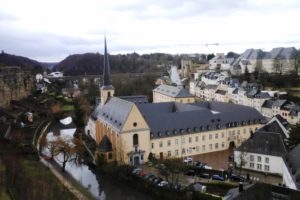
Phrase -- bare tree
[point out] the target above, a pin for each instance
(70, 152)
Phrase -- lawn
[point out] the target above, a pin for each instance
(68, 108)
(3, 193)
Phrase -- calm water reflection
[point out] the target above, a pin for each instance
(102, 187)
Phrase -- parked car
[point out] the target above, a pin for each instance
(204, 175)
(217, 177)
(236, 178)
(190, 173)
(207, 167)
(160, 166)
(188, 160)
(152, 178)
(141, 174)
(157, 180)
(199, 164)
(163, 184)
(136, 170)
(148, 176)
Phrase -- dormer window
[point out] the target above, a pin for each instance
(167, 132)
(174, 132)
(208, 127)
(181, 131)
(189, 130)
(195, 129)
(218, 126)
(159, 134)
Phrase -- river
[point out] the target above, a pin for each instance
(102, 188)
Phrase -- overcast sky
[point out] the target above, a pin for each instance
(51, 30)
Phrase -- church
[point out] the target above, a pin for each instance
(128, 128)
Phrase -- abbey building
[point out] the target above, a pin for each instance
(127, 129)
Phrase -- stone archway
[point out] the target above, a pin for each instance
(231, 145)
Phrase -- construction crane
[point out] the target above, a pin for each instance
(209, 44)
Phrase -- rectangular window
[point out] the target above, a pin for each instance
(169, 154)
(216, 145)
(258, 159)
(183, 140)
(267, 168)
(259, 166)
(169, 143)
(238, 132)
(223, 135)
(233, 133)
(223, 145)
(160, 144)
(176, 142)
(176, 152)
(197, 148)
(251, 157)
(210, 136)
(216, 136)
(183, 150)
(190, 150)
(210, 147)
(110, 156)
(203, 137)
(190, 139)
(266, 160)
(152, 145)
(203, 147)
(252, 165)
(244, 131)
(196, 138)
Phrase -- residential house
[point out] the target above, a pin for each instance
(168, 93)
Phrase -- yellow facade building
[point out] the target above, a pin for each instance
(169, 93)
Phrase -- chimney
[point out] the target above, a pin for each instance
(241, 187)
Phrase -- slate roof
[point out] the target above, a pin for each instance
(114, 112)
(267, 143)
(211, 87)
(173, 91)
(135, 99)
(106, 68)
(262, 95)
(279, 103)
(273, 127)
(252, 54)
(105, 145)
(281, 53)
(268, 104)
(293, 164)
(170, 119)
(221, 92)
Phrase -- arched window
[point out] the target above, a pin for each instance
(135, 139)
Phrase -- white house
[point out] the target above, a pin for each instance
(265, 150)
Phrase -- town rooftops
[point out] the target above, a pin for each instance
(173, 91)
(267, 143)
(171, 119)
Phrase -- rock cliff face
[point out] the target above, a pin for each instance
(15, 84)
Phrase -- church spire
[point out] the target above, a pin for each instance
(106, 68)
(107, 90)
